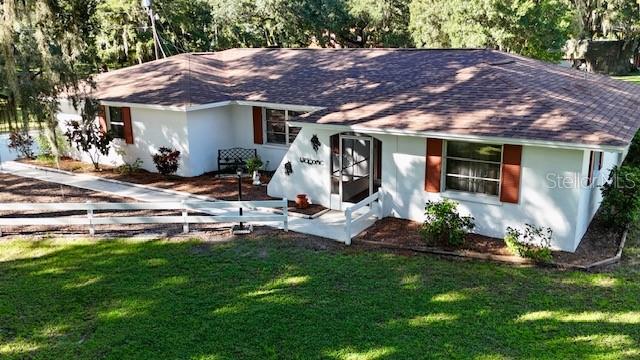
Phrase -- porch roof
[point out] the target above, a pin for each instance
(463, 91)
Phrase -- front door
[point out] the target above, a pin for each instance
(355, 173)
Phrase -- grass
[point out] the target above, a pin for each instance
(271, 298)
(635, 79)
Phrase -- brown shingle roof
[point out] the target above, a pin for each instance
(465, 92)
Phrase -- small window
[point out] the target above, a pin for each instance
(473, 167)
(116, 122)
(278, 132)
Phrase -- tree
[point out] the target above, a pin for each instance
(535, 28)
(45, 53)
(86, 136)
(607, 20)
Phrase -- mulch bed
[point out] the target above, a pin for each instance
(394, 231)
(598, 243)
(223, 187)
(311, 210)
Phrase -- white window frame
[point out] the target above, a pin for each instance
(118, 123)
(443, 178)
(286, 127)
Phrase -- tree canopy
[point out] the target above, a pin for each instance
(48, 47)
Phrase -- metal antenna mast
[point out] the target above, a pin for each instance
(146, 4)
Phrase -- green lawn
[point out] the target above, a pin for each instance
(271, 298)
(630, 78)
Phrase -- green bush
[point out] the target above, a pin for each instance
(443, 223)
(254, 164)
(621, 197)
(44, 146)
(533, 243)
(130, 168)
(633, 155)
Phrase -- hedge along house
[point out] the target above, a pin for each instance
(513, 140)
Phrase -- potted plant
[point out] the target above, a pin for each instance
(302, 201)
(253, 165)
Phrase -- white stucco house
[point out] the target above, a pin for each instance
(513, 140)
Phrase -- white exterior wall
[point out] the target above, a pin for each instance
(151, 130)
(242, 119)
(209, 130)
(549, 194)
(198, 135)
(591, 196)
(313, 180)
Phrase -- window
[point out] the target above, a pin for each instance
(473, 167)
(116, 122)
(278, 132)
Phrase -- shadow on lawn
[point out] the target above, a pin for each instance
(272, 299)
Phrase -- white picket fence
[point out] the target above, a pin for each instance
(215, 212)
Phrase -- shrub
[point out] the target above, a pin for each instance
(167, 160)
(22, 143)
(88, 138)
(443, 223)
(254, 164)
(130, 168)
(44, 146)
(633, 155)
(533, 243)
(621, 197)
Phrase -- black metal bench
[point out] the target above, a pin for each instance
(231, 159)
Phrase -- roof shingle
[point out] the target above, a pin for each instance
(465, 92)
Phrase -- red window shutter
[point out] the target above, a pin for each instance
(590, 175)
(434, 165)
(102, 118)
(128, 129)
(257, 125)
(511, 170)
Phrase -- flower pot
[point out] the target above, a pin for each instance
(302, 202)
(256, 178)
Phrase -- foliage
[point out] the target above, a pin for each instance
(167, 160)
(254, 164)
(22, 143)
(532, 28)
(443, 223)
(633, 155)
(130, 167)
(621, 197)
(533, 243)
(45, 148)
(86, 135)
(45, 51)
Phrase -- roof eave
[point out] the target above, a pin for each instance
(467, 137)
